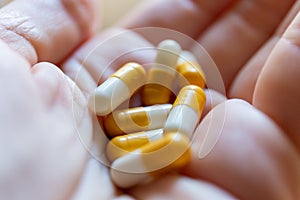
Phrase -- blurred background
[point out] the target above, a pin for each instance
(111, 10)
(114, 9)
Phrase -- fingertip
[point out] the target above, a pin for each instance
(213, 98)
(50, 81)
(238, 102)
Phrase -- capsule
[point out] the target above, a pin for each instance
(167, 154)
(186, 111)
(117, 88)
(135, 120)
(124, 144)
(190, 72)
(162, 74)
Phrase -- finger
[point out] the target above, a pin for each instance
(233, 39)
(74, 69)
(213, 98)
(244, 84)
(251, 159)
(171, 187)
(102, 55)
(48, 79)
(187, 17)
(74, 131)
(46, 30)
(25, 124)
(277, 90)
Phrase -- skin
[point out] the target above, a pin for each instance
(48, 152)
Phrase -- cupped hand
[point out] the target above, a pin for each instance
(256, 155)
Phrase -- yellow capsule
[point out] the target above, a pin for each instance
(162, 74)
(137, 119)
(186, 111)
(190, 72)
(167, 154)
(117, 88)
(122, 145)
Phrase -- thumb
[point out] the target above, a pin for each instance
(46, 30)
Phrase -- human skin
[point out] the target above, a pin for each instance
(46, 129)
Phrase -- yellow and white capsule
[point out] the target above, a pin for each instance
(117, 88)
(152, 160)
(190, 72)
(162, 74)
(124, 144)
(186, 111)
(137, 119)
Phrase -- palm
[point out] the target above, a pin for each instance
(253, 158)
(235, 162)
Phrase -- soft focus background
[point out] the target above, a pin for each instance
(114, 9)
(111, 10)
(2, 2)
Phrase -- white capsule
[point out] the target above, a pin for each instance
(137, 119)
(168, 52)
(152, 160)
(189, 70)
(161, 74)
(122, 145)
(186, 111)
(117, 88)
(186, 56)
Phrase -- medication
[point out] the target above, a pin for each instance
(117, 88)
(124, 144)
(190, 72)
(137, 119)
(162, 74)
(186, 111)
(148, 142)
(152, 160)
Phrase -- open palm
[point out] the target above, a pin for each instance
(50, 141)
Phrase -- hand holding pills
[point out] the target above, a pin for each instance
(245, 147)
(138, 155)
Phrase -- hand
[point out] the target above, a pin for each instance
(253, 159)
(256, 156)
(44, 120)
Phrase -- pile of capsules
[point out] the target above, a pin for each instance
(150, 141)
